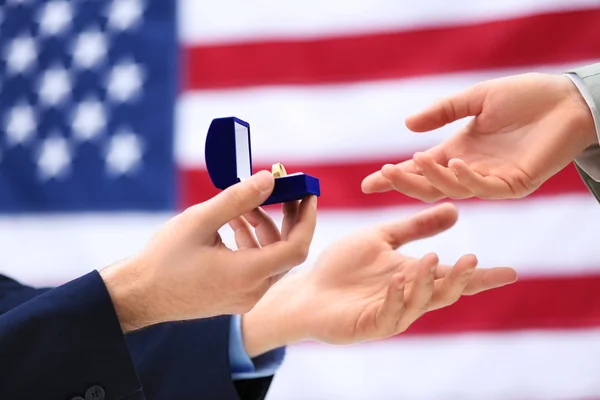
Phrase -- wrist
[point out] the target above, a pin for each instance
(123, 283)
(274, 321)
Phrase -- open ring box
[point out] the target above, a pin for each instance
(228, 157)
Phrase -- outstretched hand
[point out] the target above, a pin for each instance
(361, 288)
(525, 129)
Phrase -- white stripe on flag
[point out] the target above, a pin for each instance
(326, 122)
(526, 365)
(540, 237)
(241, 20)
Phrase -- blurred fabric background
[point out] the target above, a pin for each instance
(104, 108)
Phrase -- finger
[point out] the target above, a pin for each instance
(392, 309)
(481, 280)
(484, 187)
(409, 184)
(420, 293)
(266, 229)
(244, 237)
(290, 216)
(377, 183)
(452, 286)
(421, 225)
(410, 270)
(464, 104)
(233, 202)
(441, 177)
(490, 278)
(283, 255)
(303, 230)
(442, 271)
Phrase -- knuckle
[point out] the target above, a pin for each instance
(251, 298)
(244, 303)
(400, 326)
(448, 109)
(300, 253)
(459, 196)
(449, 298)
(422, 307)
(467, 179)
(422, 223)
(430, 198)
(197, 212)
(423, 310)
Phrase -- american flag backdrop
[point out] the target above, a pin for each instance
(104, 108)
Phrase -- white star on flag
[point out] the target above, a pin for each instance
(54, 157)
(89, 49)
(55, 86)
(124, 14)
(20, 124)
(124, 81)
(123, 153)
(55, 17)
(21, 54)
(89, 119)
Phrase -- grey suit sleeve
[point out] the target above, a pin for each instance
(587, 80)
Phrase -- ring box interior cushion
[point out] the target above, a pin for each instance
(228, 155)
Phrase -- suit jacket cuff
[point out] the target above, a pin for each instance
(186, 359)
(64, 342)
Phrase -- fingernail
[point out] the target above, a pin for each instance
(432, 269)
(387, 167)
(452, 168)
(263, 181)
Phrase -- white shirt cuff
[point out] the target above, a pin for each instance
(589, 161)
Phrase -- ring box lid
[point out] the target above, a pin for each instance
(227, 152)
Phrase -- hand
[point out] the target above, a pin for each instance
(186, 271)
(525, 129)
(362, 289)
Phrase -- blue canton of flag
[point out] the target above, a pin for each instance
(87, 102)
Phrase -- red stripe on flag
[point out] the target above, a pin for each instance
(537, 39)
(560, 303)
(341, 185)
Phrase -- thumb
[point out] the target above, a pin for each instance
(236, 200)
(421, 225)
(461, 105)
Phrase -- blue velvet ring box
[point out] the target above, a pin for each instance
(228, 157)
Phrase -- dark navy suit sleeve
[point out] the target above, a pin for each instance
(190, 360)
(64, 343)
(183, 360)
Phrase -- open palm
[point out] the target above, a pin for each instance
(525, 129)
(361, 288)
